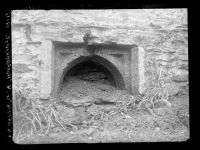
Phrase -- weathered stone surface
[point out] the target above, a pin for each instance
(21, 68)
(66, 113)
(173, 89)
(161, 33)
(83, 102)
(180, 78)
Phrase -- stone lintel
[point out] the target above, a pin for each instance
(110, 45)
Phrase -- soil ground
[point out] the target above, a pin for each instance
(168, 123)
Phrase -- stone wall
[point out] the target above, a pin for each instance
(162, 33)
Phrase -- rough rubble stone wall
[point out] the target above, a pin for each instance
(162, 33)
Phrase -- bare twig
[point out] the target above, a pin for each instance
(56, 117)
(48, 122)
(18, 136)
(20, 139)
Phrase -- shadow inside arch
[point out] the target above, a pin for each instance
(98, 60)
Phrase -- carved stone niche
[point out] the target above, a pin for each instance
(124, 62)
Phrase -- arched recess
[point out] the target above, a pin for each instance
(100, 61)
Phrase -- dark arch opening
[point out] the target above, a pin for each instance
(90, 67)
(85, 64)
